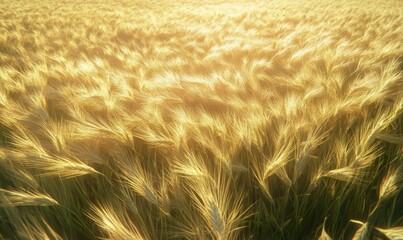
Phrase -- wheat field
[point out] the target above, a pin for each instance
(201, 119)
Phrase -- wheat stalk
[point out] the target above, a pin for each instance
(10, 198)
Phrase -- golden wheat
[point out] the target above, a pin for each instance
(206, 119)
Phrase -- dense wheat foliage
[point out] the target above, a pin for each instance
(201, 119)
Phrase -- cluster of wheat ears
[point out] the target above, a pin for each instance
(258, 119)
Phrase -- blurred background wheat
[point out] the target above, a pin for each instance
(201, 119)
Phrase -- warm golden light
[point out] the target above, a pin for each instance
(201, 119)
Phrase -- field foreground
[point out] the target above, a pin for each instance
(201, 119)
